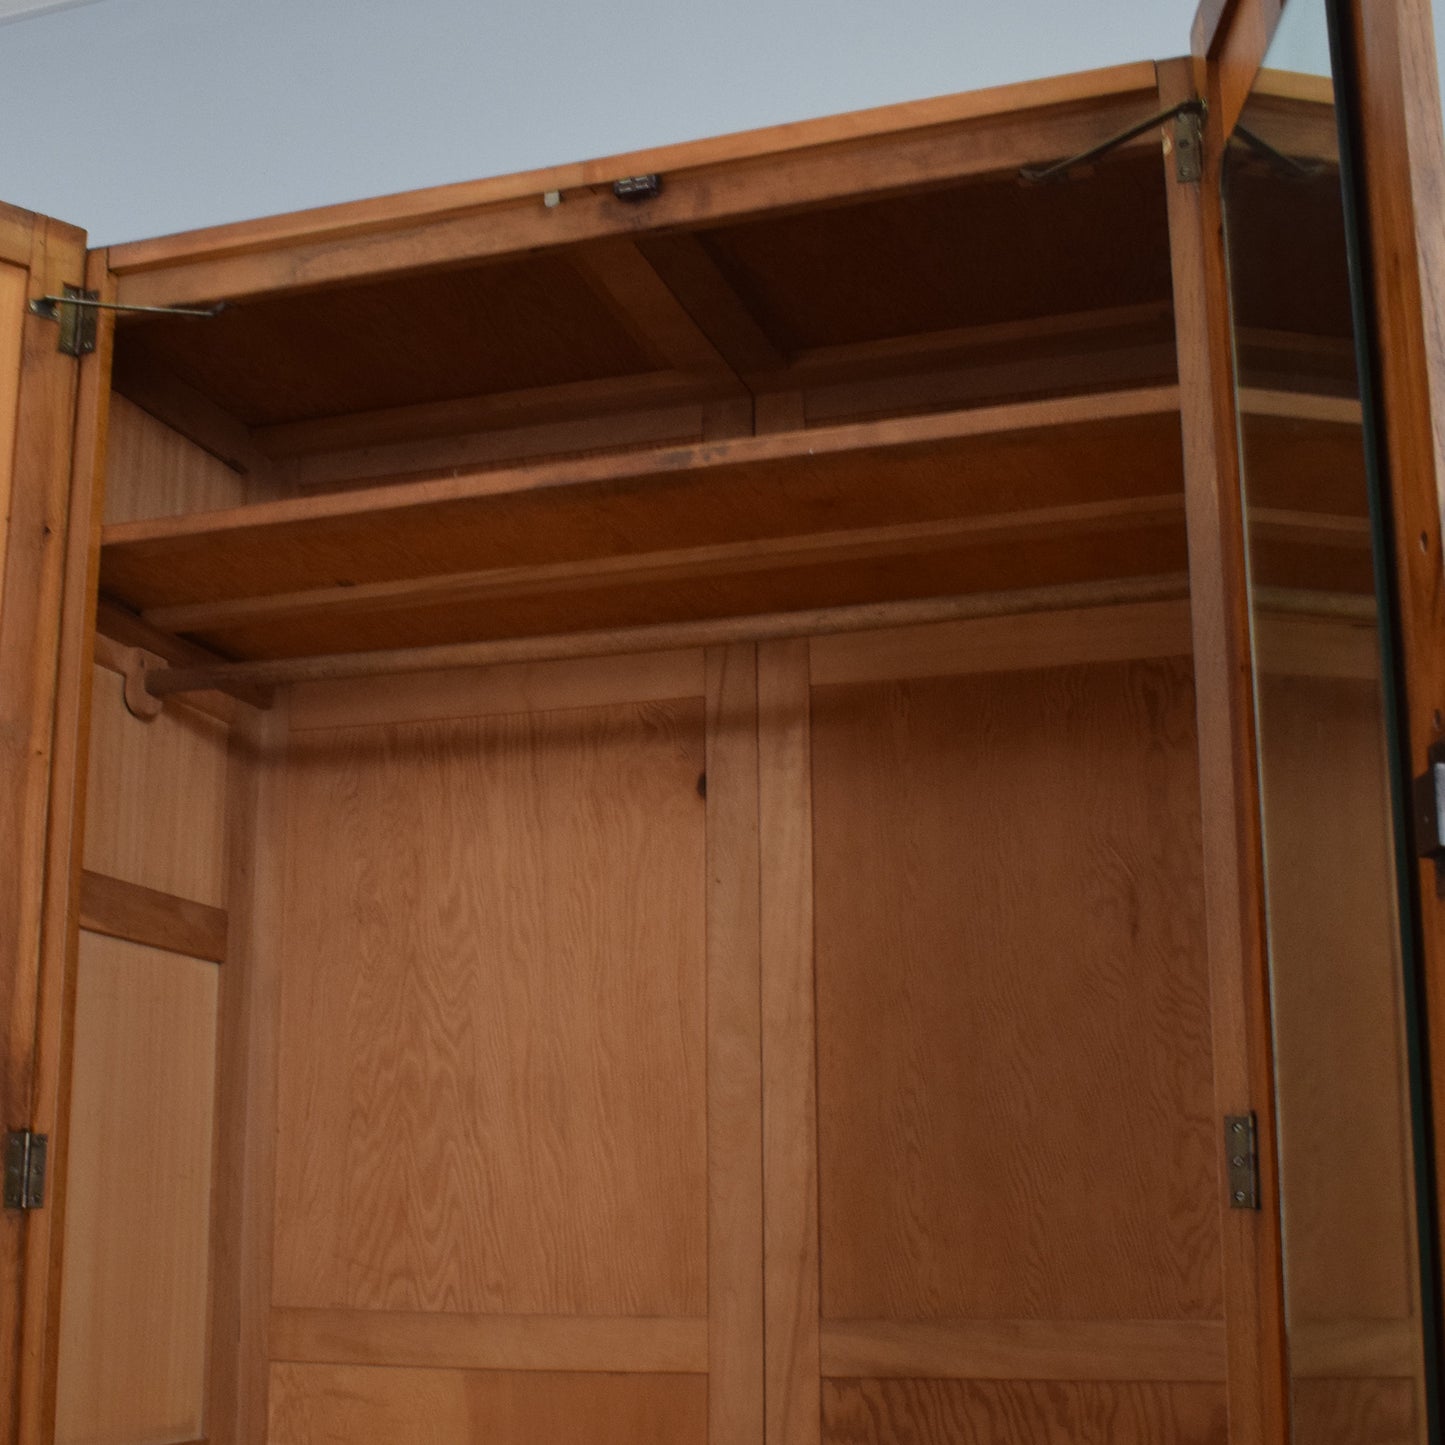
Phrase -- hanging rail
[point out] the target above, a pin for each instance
(662, 637)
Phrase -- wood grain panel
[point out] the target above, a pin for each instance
(155, 802)
(1015, 1113)
(491, 1053)
(568, 1343)
(1005, 644)
(133, 1321)
(1126, 1350)
(152, 471)
(340, 1405)
(519, 687)
(952, 1412)
(1339, 1029)
(125, 910)
(734, 1051)
(1355, 1412)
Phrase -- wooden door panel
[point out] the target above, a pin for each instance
(138, 1225)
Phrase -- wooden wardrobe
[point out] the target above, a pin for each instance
(630, 799)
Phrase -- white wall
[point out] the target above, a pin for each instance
(138, 117)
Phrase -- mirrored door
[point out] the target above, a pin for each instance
(1342, 958)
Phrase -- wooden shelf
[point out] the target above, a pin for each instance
(1039, 494)
(998, 497)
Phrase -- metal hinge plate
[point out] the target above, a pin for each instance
(638, 188)
(1189, 146)
(25, 1169)
(1241, 1149)
(1430, 812)
(77, 323)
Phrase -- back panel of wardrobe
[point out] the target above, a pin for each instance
(1017, 1204)
(516, 1173)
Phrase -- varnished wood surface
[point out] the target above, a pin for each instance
(13, 283)
(1003, 1349)
(244, 1244)
(869, 474)
(133, 1315)
(790, 1066)
(311, 1403)
(159, 920)
(1250, 1262)
(664, 636)
(152, 471)
(570, 1343)
(970, 1181)
(64, 846)
(492, 981)
(950, 1412)
(748, 563)
(504, 688)
(156, 798)
(1004, 644)
(735, 1161)
(39, 714)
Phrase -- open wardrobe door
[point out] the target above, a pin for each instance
(51, 429)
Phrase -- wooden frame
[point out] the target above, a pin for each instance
(1399, 112)
(726, 402)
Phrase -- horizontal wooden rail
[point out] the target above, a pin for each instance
(118, 909)
(665, 636)
(1134, 1350)
(489, 1342)
(725, 559)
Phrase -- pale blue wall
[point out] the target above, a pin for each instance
(137, 117)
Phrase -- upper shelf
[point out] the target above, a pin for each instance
(1025, 495)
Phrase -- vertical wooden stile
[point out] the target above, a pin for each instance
(41, 691)
(246, 1087)
(790, 1085)
(734, 1045)
(65, 844)
(1229, 788)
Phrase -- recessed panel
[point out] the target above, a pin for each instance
(1014, 1068)
(134, 1306)
(492, 1020)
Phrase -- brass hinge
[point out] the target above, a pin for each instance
(77, 321)
(76, 310)
(1189, 146)
(25, 1169)
(1430, 813)
(1241, 1149)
